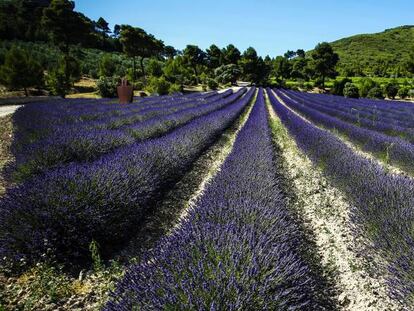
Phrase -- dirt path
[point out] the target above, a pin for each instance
(6, 110)
(326, 214)
(6, 137)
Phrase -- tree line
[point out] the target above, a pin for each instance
(144, 59)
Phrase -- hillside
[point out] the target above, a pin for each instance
(383, 51)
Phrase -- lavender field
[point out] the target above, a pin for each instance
(243, 199)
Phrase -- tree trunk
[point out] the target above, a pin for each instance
(323, 82)
(195, 72)
(133, 69)
(25, 92)
(142, 68)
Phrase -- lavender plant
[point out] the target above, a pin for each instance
(104, 200)
(383, 203)
(238, 249)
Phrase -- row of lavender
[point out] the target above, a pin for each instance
(238, 248)
(88, 140)
(392, 149)
(37, 122)
(65, 209)
(390, 122)
(383, 203)
(389, 108)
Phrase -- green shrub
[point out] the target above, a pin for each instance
(20, 70)
(365, 85)
(154, 68)
(212, 84)
(107, 66)
(351, 90)
(107, 86)
(339, 85)
(175, 88)
(403, 92)
(57, 83)
(138, 85)
(391, 89)
(375, 93)
(308, 86)
(318, 83)
(158, 86)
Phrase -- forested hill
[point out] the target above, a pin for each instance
(383, 51)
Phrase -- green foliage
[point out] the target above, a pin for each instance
(365, 85)
(231, 55)
(403, 92)
(154, 68)
(375, 93)
(308, 86)
(391, 89)
(350, 90)
(212, 84)
(339, 85)
(137, 43)
(194, 57)
(175, 88)
(282, 67)
(57, 83)
(175, 70)
(170, 52)
(20, 70)
(96, 257)
(227, 74)
(253, 67)
(71, 68)
(65, 25)
(382, 52)
(324, 60)
(107, 86)
(107, 66)
(215, 57)
(158, 86)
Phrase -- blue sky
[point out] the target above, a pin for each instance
(271, 27)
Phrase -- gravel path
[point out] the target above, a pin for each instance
(6, 110)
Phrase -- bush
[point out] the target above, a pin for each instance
(227, 73)
(154, 68)
(403, 92)
(159, 86)
(351, 90)
(375, 93)
(57, 83)
(212, 84)
(339, 85)
(308, 86)
(107, 86)
(318, 83)
(365, 86)
(391, 89)
(107, 66)
(175, 88)
(20, 70)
